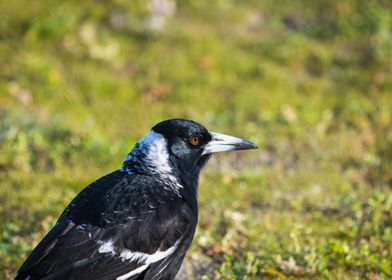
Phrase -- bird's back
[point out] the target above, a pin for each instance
(122, 226)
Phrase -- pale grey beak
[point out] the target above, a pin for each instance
(221, 142)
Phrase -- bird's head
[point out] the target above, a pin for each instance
(180, 148)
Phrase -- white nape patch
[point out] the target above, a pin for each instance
(27, 278)
(133, 272)
(157, 154)
(107, 247)
(156, 157)
(154, 146)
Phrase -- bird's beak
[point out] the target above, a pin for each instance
(221, 142)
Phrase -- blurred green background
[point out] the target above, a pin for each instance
(309, 81)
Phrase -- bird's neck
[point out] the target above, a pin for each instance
(150, 157)
(183, 180)
(138, 163)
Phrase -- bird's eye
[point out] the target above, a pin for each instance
(194, 140)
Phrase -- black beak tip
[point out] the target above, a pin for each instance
(247, 145)
(254, 146)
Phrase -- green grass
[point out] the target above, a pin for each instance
(310, 82)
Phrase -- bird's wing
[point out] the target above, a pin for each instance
(99, 237)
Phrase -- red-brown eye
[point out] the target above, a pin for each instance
(194, 140)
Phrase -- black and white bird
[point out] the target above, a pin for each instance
(136, 222)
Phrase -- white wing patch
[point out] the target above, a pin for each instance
(106, 247)
(128, 255)
(133, 272)
(139, 257)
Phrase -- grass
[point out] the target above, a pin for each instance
(311, 83)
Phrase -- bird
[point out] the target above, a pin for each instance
(138, 221)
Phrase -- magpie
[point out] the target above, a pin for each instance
(136, 222)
